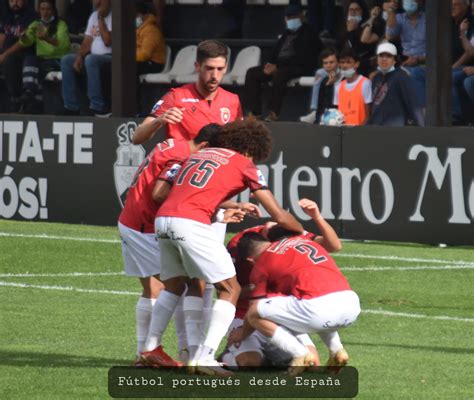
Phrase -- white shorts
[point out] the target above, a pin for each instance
(326, 313)
(140, 251)
(193, 249)
(259, 343)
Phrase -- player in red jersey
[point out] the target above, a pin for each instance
(186, 109)
(190, 247)
(256, 349)
(309, 295)
(136, 221)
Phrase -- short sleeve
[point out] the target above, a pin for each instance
(336, 94)
(367, 91)
(254, 178)
(258, 283)
(90, 24)
(164, 104)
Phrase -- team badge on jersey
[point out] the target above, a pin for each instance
(225, 115)
(173, 171)
(157, 106)
(261, 178)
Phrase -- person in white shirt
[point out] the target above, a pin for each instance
(94, 55)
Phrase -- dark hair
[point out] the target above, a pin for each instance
(206, 133)
(248, 137)
(53, 26)
(363, 5)
(142, 7)
(349, 52)
(248, 243)
(211, 49)
(277, 232)
(329, 51)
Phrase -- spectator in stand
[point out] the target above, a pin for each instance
(16, 22)
(373, 31)
(355, 26)
(469, 49)
(151, 46)
(50, 37)
(463, 54)
(410, 27)
(323, 98)
(95, 54)
(295, 54)
(393, 93)
(395, 5)
(353, 95)
(321, 16)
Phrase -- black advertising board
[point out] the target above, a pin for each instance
(402, 184)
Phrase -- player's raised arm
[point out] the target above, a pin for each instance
(278, 214)
(328, 237)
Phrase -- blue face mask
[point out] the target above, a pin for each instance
(410, 6)
(293, 24)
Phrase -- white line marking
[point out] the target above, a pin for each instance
(67, 288)
(70, 274)
(407, 315)
(125, 293)
(417, 268)
(395, 258)
(353, 255)
(44, 236)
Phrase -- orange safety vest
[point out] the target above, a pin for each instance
(351, 103)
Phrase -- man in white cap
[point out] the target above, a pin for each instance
(394, 98)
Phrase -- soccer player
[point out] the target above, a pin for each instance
(186, 109)
(191, 248)
(140, 250)
(256, 349)
(309, 295)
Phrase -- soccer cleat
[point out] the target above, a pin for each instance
(309, 118)
(211, 368)
(138, 362)
(339, 359)
(158, 358)
(299, 364)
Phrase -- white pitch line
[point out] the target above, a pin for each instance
(395, 258)
(353, 255)
(417, 268)
(44, 236)
(126, 293)
(70, 274)
(424, 316)
(67, 288)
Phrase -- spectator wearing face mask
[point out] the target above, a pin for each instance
(295, 54)
(353, 95)
(410, 27)
(393, 93)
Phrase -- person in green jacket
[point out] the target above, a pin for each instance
(50, 36)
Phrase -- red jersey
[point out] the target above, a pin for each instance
(243, 268)
(140, 208)
(198, 112)
(296, 267)
(209, 177)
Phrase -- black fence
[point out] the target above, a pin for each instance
(402, 184)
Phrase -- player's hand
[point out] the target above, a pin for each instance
(174, 115)
(375, 12)
(332, 78)
(233, 215)
(235, 337)
(250, 209)
(310, 208)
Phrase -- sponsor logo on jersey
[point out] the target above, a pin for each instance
(157, 106)
(225, 115)
(190, 100)
(261, 178)
(129, 158)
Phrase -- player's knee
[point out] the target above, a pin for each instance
(229, 288)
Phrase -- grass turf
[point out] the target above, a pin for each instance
(58, 343)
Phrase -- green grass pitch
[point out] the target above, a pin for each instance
(67, 315)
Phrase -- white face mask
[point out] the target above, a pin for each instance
(410, 6)
(385, 15)
(293, 24)
(48, 21)
(138, 22)
(348, 73)
(356, 18)
(386, 71)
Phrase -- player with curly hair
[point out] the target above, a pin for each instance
(190, 247)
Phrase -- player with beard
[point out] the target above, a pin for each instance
(186, 109)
